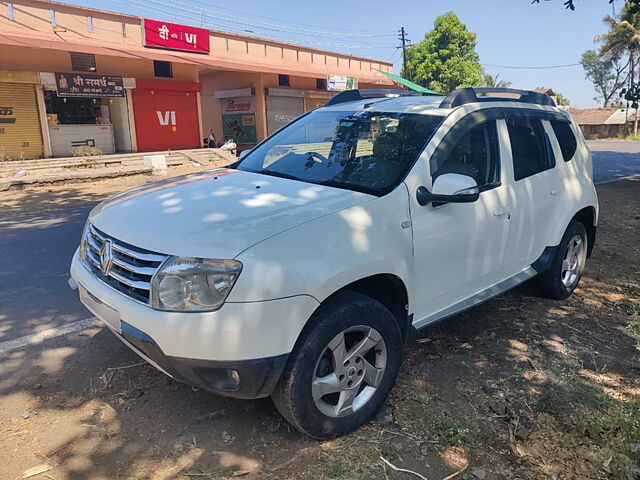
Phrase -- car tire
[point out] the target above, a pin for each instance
(342, 368)
(566, 269)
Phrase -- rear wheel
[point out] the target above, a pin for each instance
(342, 368)
(567, 267)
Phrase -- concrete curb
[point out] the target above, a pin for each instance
(7, 184)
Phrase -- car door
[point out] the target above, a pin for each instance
(535, 197)
(459, 247)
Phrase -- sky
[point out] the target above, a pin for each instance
(511, 33)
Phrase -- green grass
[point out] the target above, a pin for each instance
(435, 422)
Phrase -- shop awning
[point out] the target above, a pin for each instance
(407, 83)
(46, 40)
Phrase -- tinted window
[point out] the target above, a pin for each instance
(283, 80)
(162, 69)
(364, 151)
(475, 155)
(566, 139)
(529, 146)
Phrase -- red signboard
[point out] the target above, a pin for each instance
(172, 36)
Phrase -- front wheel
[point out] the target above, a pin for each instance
(342, 368)
(567, 267)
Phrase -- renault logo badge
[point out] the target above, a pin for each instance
(106, 257)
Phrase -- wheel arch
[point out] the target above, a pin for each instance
(387, 289)
(587, 216)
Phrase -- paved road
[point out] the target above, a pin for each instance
(613, 160)
(35, 253)
(36, 249)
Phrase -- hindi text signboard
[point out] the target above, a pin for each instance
(88, 85)
(172, 36)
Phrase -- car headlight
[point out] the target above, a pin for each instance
(83, 241)
(184, 284)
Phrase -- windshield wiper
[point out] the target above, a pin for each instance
(279, 174)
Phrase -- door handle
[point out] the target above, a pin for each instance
(554, 191)
(498, 212)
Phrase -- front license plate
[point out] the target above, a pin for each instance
(104, 312)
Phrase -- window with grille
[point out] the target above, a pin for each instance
(83, 62)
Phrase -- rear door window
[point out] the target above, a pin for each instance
(530, 147)
(566, 138)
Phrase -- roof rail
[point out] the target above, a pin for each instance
(462, 96)
(355, 95)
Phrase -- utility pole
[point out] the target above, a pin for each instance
(405, 41)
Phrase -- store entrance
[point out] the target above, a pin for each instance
(80, 126)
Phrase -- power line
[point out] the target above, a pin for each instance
(530, 67)
(170, 11)
(254, 16)
(192, 8)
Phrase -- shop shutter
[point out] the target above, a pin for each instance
(281, 110)
(20, 131)
(166, 120)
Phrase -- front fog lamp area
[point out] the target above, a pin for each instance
(193, 284)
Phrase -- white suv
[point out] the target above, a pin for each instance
(301, 271)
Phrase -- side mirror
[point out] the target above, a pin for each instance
(449, 188)
(243, 154)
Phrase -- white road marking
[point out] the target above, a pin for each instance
(40, 337)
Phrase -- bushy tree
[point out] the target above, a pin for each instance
(446, 59)
(607, 75)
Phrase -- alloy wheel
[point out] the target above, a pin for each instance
(572, 263)
(349, 371)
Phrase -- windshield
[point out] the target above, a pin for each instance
(364, 151)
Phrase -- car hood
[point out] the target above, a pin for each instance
(215, 214)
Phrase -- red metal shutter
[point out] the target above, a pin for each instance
(166, 120)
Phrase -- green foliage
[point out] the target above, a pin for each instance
(562, 100)
(558, 97)
(606, 74)
(494, 81)
(570, 4)
(446, 59)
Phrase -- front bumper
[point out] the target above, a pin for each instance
(254, 378)
(204, 349)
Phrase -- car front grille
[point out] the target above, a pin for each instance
(123, 267)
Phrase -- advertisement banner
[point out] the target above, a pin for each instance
(239, 119)
(88, 85)
(338, 83)
(172, 36)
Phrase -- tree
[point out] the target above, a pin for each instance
(562, 100)
(493, 81)
(557, 96)
(607, 75)
(570, 4)
(623, 40)
(446, 59)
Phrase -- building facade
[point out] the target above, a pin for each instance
(75, 77)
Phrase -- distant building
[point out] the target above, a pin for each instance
(72, 76)
(601, 122)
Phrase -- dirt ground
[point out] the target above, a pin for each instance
(517, 388)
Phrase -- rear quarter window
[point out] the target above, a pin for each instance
(566, 139)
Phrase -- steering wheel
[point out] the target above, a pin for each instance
(317, 155)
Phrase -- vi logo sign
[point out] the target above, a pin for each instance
(167, 118)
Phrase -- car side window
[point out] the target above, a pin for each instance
(530, 147)
(476, 155)
(566, 138)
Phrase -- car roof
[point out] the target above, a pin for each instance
(406, 101)
(403, 104)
